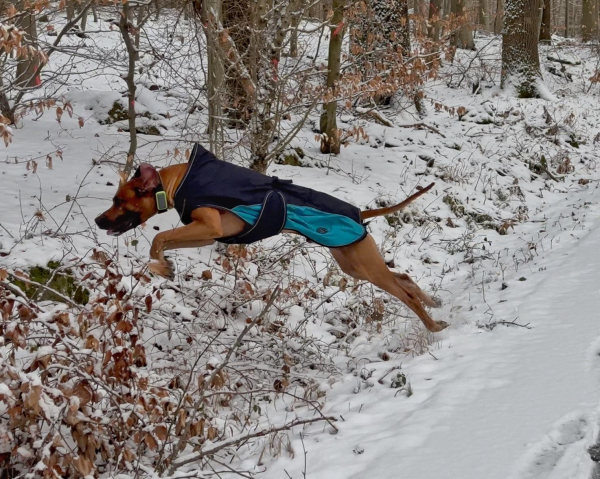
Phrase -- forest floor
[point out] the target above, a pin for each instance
(508, 240)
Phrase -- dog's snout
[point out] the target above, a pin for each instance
(102, 222)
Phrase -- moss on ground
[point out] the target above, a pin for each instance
(63, 282)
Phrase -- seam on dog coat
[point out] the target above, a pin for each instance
(266, 204)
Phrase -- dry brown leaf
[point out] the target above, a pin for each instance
(161, 432)
(83, 465)
(150, 441)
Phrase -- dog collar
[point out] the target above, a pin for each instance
(162, 203)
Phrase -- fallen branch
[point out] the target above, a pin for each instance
(237, 440)
(423, 125)
(493, 324)
(377, 116)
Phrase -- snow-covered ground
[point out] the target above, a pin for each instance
(512, 403)
(510, 390)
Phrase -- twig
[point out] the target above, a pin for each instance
(380, 380)
(7, 231)
(236, 440)
(493, 324)
(423, 125)
(224, 363)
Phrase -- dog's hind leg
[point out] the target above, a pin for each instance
(363, 261)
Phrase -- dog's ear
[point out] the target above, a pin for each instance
(148, 178)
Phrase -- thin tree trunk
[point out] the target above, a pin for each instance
(589, 20)
(567, 23)
(463, 37)
(297, 16)
(546, 26)
(27, 74)
(70, 7)
(129, 78)
(484, 15)
(84, 16)
(435, 15)
(215, 81)
(330, 143)
(499, 19)
(520, 58)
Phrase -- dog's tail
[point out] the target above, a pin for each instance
(392, 209)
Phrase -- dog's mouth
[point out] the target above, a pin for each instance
(120, 231)
(133, 220)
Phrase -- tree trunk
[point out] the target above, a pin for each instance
(238, 21)
(484, 15)
(463, 36)
(296, 17)
(499, 19)
(70, 8)
(124, 26)
(589, 20)
(567, 13)
(84, 16)
(520, 58)
(215, 81)
(435, 15)
(27, 74)
(330, 142)
(546, 27)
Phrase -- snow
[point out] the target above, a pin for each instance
(483, 399)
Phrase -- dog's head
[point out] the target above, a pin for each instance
(134, 203)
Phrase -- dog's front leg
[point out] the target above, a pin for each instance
(204, 229)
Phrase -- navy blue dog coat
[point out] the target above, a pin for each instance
(267, 204)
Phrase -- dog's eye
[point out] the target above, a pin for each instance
(117, 201)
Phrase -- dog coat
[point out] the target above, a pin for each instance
(265, 203)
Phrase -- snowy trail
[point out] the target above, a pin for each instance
(507, 404)
(539, 423)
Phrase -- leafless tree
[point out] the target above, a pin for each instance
(546, 25)
(589, 20)
(330, 142)
(520, 58)
(462, 37)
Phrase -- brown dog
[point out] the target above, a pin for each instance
(135, 203)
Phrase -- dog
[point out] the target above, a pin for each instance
(219, 201)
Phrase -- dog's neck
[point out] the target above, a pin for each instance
(171, 178)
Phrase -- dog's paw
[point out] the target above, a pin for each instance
(162, 268)
(439, 326)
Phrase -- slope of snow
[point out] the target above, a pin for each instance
(521, 403)
(486, 399)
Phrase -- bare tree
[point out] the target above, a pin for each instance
(499, 18)
(463, 36)
(27, 74)
(435, 15)
(567, 23)
(330, 142)
(484, 14)
(520, 58)
(211, 15)
(546, 26)
(589, 20)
